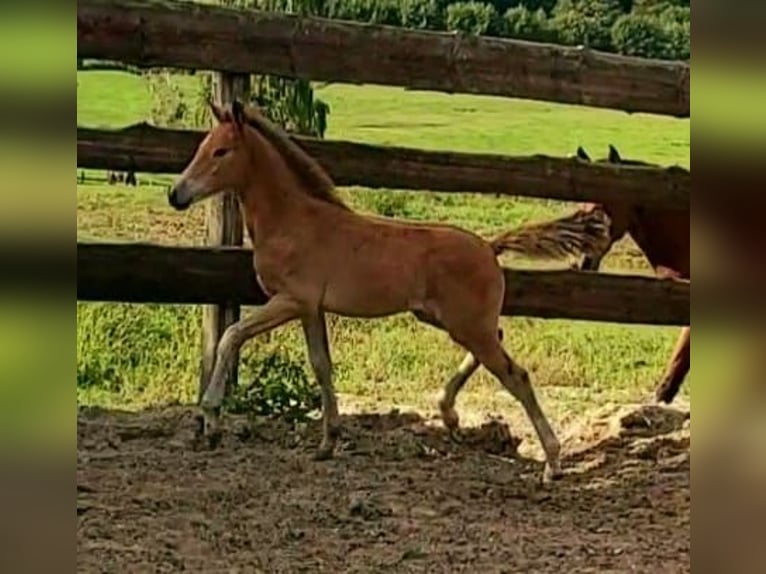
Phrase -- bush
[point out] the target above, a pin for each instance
(676, 21)
(422, 14)
(279, 387)
(522, 23)
(535, 5)
(586, 22)
(679, 41)
(626, 6)
(663, 33)
(385, 12)
(656, 7)
(500, 6)
(639, 35)
(674, 15)
(473, 18)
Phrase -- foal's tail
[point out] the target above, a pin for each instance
(582, 233)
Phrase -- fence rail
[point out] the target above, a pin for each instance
(149, 33)
(149, 149)
(144, 273)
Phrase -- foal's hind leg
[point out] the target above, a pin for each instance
(315, 331)
(488, 350)
(467, 368)
(447, 404)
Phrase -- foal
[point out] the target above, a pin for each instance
(315, 255)
(663, 236)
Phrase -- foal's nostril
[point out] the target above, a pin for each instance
(175, 202)
(178, 196)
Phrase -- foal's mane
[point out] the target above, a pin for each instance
(316, 181)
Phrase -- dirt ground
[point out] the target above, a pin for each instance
(399, 497)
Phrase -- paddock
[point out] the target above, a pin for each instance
(400, 495)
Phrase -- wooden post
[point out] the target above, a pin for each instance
(224, 227)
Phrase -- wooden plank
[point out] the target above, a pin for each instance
(224, 227)
(149, 33)
(148, 149)
(139, 273)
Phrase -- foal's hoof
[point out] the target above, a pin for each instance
(450, 418)
(552, 472)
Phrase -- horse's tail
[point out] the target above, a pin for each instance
(582, 233)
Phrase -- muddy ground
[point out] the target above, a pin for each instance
(399, 497)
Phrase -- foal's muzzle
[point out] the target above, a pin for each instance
(175, 198)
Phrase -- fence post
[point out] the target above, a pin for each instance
(223, 222)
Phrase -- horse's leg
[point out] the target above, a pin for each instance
(278, 310)
(464, 372)
(315, 331)
(490, 353)
(677, 368)
(447, 403)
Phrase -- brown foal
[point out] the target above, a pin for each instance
(315, 255)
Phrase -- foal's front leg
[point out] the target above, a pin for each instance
(277, 311)
(315, 331)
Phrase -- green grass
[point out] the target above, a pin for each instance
(111, 99)
(138, 355)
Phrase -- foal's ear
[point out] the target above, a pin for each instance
(218, 113)
(238, 113)
(614, 155)
(582, 154)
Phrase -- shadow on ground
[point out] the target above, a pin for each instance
(399, 497)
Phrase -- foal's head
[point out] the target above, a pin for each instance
(221, 163)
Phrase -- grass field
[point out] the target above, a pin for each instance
(133, 356)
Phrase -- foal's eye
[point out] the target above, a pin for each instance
(220, 152)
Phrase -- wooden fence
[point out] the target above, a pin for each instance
(145, 33)
(197, 37)
(155, 274)
(150, 149)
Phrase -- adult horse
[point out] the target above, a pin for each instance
(663, 236)
(315, 255)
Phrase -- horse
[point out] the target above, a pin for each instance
(312, 255)
(663, 235)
